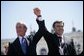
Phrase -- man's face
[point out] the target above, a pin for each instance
(20, 29)
(59, 28)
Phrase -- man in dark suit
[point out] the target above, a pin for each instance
(23, 45)
(54, 41)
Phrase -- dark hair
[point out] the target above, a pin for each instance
(57, 22)
(25, 27)
(43, 49)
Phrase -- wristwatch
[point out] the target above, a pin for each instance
(39, 16)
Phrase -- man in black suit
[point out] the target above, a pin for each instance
(54, 41)
(23, 45)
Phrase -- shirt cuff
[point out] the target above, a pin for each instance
(39, 18)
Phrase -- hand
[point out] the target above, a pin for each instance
(37, 11)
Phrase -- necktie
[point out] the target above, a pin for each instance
(60, 39)
(60, 46)
(24, 45)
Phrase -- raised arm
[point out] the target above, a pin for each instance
(47, 35)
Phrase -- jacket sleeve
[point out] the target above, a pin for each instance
(36, 38)
(39, 33)
(49, 37)
(10, 50)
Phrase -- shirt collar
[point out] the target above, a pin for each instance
(62, 38)
(20, 38)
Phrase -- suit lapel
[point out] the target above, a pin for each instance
(27, 41)
(18, 46)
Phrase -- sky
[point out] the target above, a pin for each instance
(70, 12)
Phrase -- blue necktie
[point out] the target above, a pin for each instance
(24, 45)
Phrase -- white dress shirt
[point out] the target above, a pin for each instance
(40, 18)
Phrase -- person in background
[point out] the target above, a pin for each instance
(43, 51)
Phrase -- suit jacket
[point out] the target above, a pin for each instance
(15, 47)
(53, 43)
